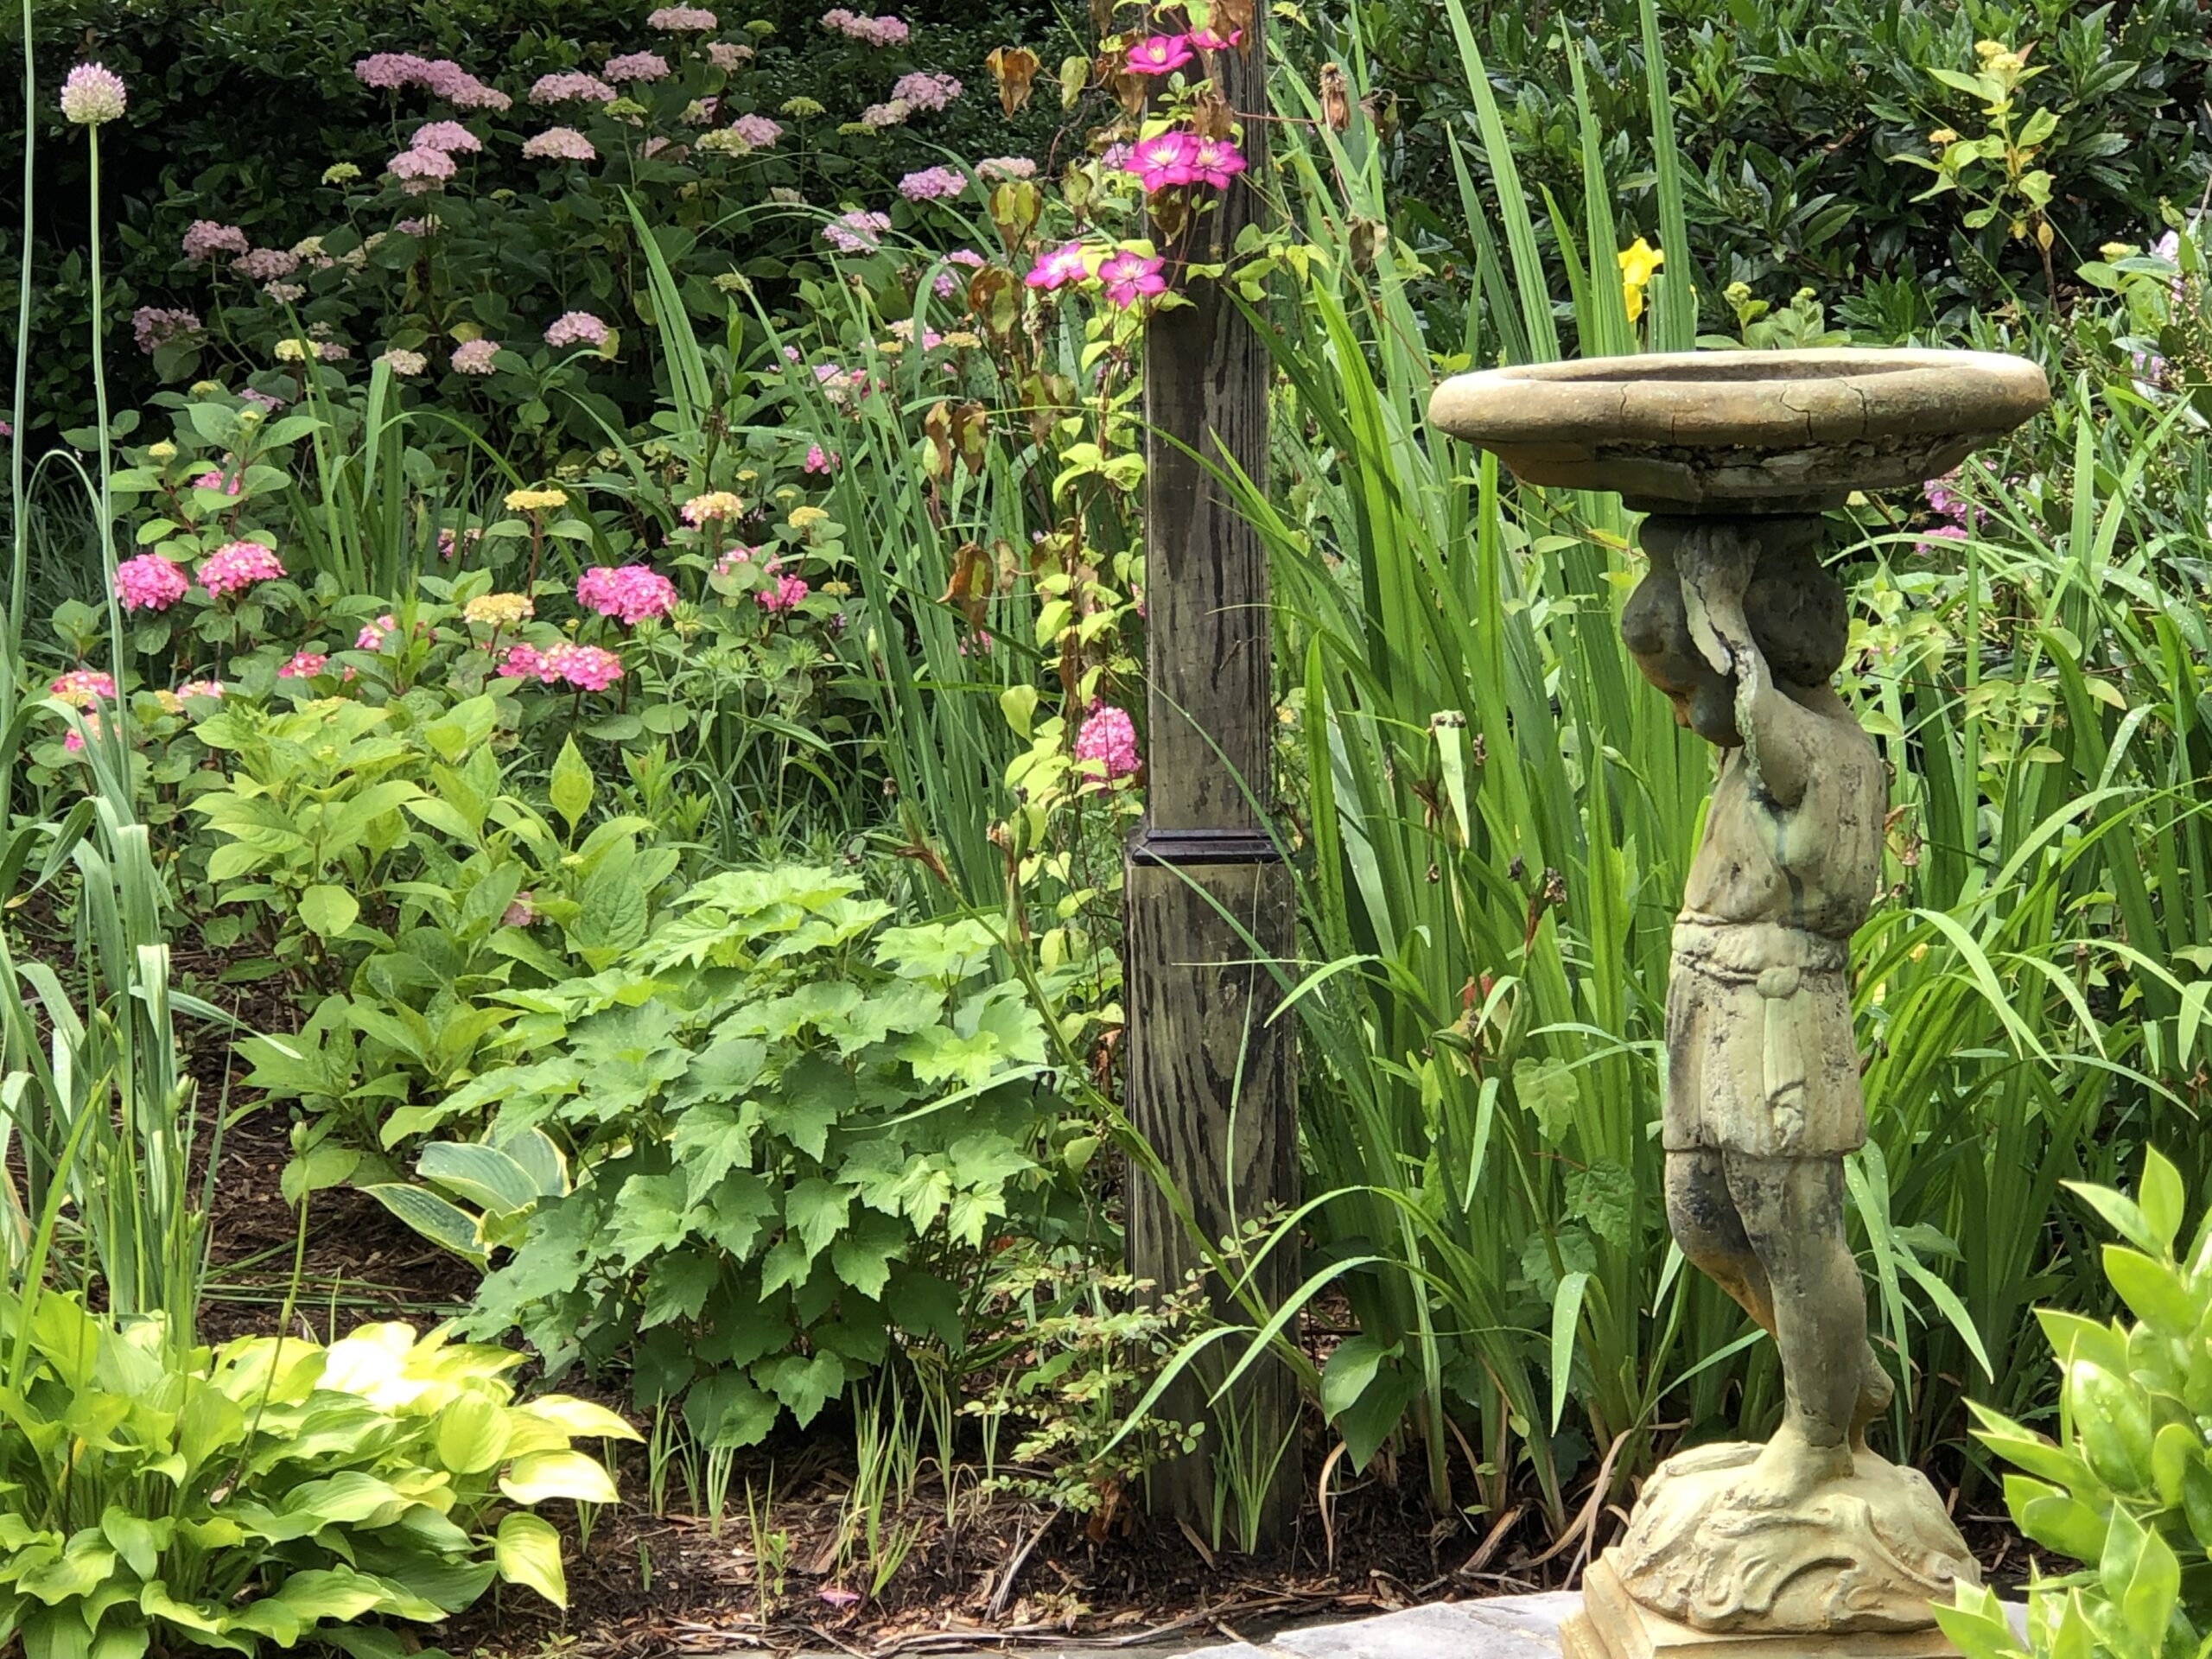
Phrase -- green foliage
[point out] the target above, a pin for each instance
(159, 1498)
(789, 1133)
(2126, 1487)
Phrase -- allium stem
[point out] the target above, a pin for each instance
(99, 403)
(19, 518)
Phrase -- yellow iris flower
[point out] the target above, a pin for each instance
(1637, 262)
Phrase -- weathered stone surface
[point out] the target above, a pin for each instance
(1508, 1627)
(1742, 431)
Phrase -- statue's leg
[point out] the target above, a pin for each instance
(1702, 1214)
(1792, 1211)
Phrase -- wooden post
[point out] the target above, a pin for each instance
(1212, 1085)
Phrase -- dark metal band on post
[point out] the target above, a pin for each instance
(1176, 848)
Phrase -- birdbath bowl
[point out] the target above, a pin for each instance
(1811, 1536)
(1712, 433)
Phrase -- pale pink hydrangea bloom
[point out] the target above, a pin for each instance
(586, 667)
(421, 167)
(576, 329)
(92, 94)
(711, 508)
(924, 89)
(204, 238)
(284, 293)
(1108, 736)
(402, 361)
(870, 31)
(213, 479)
(559, 145)
(521, 911)
(388, 72)
(1130, 277)
(885, 115)
(730, 561)
(84, 688)
(201, 689)
(570, 86)
(757, 130)
(304, 665)
(858, 231)
(933, 184)
(452, 543)
(993, 168)
(149, 582)
(449, 136)
(236, 566)
(155, 326)
(680, 19)
(267, 401)
(726, 55)
(266, 264)
(638, 65)
(821, 460)
(474, 356)
(73, 742)
(630, 592)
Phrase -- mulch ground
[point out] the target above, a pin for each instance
(981, 1573)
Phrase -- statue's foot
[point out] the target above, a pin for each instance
(1789, 1470)
(1874, 1396)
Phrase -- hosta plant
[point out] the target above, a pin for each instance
(2126, 1487)
(156, 1497)
(783, 1131)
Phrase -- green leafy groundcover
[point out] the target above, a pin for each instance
(771, 1137)
(154, 1495)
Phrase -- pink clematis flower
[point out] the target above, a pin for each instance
(1059, 268)
(1159, 56)
(1216, 161)
(1206, 41)
(1167, 160)
(1130, 277)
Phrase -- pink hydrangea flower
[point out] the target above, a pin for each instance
(449, 136)
(924, 89)
(559, 145)
(1108, 737)
(858, 231)
(93, 95)
(933, 184)
(1161, 54)
(74, 742)
(1130, 277)
(522, 662)
(757, 130)
(891, 114)
(149, 582)
(680, 19)
(303, 665)
(153, 326)
(201, 689)
(373, 634)
(204, 238)
(421, 167)
(1169, 159)
(236, 565)
(870, 31)
(730, 561)
(726, 55)
(521, 911)
(992, 169)
(638, 65)
(267, 264)
(821, 461)
(571, 86)
(783, 595)
(474, 356)
(630, 591)
(388, 72)
(1216, 161)
(1059, 268)
(575, 328)
(84, 688)
(213, 479)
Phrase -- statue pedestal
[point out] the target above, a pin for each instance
(1611, 1626)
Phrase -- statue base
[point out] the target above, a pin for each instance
(1612, 1625)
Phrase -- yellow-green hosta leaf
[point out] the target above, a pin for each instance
(528, 1551)
(579, 1417)
(542, 1475)
(473, 1435)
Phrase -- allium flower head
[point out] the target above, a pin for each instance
(630, 592)
(576, 329)
(149, 582)
(711, 508)
(1108, 737)
(236, 566)
(1159, 56)
(559, 145)
(1130, 277)
(680, 19)
(474, 356)
(638, 65)
(92, 94)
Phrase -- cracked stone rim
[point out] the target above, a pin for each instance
(1748, 431)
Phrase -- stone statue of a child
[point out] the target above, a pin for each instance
(1741, 628)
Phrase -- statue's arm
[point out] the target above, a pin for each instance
(1774, 728)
